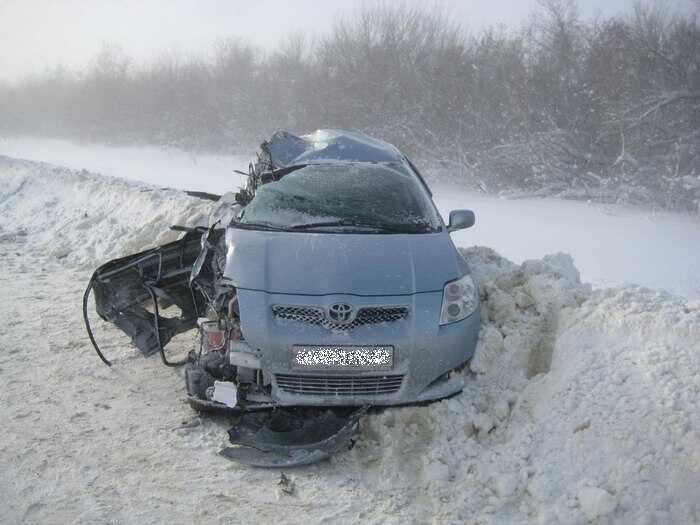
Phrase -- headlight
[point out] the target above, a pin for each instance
(458, 300)
(213, 335)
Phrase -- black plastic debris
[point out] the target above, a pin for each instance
(292, 437)
(286, 485)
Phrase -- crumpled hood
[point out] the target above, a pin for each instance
(322, 263)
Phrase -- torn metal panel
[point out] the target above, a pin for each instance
(136, 291)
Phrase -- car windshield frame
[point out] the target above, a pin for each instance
(408, 192)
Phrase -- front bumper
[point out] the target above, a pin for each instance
(424, 351)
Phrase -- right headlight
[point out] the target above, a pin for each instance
(459, 300)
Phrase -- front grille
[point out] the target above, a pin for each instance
(339, 385)
(317, 316)
(303, 314)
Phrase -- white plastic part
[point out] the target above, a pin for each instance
(225, 392)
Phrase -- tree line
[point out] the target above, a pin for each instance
(604, 109)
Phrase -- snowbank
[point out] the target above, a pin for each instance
(580, 405)
(171, 167)
(85, 218)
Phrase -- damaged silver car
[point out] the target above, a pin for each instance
(330, 280)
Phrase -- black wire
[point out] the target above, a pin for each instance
(86, 296)
(194, 303)
(157, 329)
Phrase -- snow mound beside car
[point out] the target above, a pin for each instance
(86, 218)
(579, 406)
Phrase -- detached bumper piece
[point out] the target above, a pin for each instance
(292, 438)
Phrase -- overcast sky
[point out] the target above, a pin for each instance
(38, 34)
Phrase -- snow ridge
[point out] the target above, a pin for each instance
(86, 218)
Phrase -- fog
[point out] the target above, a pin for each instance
(568, 100)
(30, 30)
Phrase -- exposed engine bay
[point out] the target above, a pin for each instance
(133, 291)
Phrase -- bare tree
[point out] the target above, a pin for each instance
(566, 106)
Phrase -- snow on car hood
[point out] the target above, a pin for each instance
(324, 263)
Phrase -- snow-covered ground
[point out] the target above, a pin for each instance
(581, 405)
(611, 245)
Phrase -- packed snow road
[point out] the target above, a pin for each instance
(581, 404)
(611, 245)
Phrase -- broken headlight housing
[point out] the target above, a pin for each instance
(213, 334)
(459, 300)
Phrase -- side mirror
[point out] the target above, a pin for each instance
(461, 219)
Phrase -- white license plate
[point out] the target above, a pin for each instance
(343, 357)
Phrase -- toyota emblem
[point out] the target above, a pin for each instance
(340, 313)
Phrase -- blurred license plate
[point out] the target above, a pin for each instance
(343, 357)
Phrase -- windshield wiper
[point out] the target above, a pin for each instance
(392, 228)
(259, 226)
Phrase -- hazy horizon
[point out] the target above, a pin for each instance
(40, 35)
